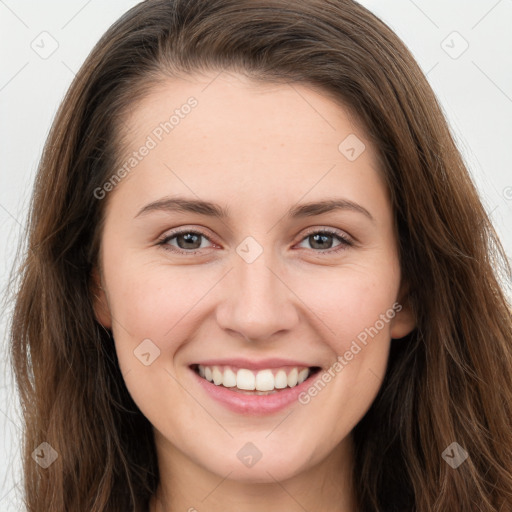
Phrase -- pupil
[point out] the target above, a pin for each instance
(188, 238)
(323, 238)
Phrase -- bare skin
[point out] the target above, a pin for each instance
(256, 150)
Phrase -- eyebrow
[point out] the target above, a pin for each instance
(207, 208)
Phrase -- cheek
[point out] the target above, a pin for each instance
(351, 303)
(151, 302)
(355, 306)
(149, 305)
(158, 306)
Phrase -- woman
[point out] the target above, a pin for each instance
(260, 277)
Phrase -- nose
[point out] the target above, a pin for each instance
(258, 302)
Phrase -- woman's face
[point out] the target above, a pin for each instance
(252, 236)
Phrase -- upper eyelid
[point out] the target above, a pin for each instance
(172, 234)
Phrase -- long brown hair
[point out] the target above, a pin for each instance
(449, 381)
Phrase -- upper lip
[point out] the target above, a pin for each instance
(251, 364)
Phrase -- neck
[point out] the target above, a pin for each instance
(326, 486)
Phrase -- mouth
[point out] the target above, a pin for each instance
(265, 381)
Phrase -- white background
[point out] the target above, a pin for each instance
(475, 91)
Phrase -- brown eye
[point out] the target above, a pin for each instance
(188, 241)
(325, 240)
(321, 241)
(184, 241)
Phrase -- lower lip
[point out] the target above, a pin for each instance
(254, 404)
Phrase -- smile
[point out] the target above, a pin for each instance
(243, 379)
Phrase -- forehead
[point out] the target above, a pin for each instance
(227, 132)
(236, 110)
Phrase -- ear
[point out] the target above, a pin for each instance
(404, 321)
(100, 303)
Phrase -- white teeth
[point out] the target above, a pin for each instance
(303, 375)
(264, 380)
(258, 382)
(217, 376)
(245, 380)
(280, 380)
(292, 378)
(229, 378)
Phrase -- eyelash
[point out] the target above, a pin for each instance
(343, 239)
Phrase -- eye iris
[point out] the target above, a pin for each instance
(188, 238)
(320, 238)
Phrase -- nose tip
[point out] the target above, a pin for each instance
(257, 304)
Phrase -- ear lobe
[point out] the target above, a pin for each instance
(100, 303)
(404, 321)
